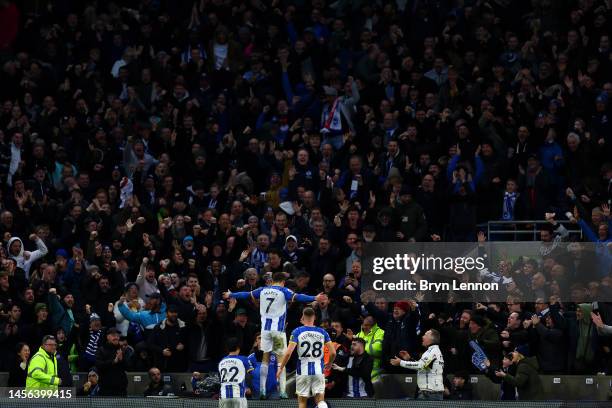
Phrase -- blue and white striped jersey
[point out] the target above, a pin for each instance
(273, 306)
(232, 373)
(310, 349)
(356, 386)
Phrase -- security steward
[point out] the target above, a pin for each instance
(42, 368)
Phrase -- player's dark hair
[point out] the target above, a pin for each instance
(308, 312)
(232, 344)
(278, 277)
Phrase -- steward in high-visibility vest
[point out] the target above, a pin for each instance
(42, 368)
(373, 336)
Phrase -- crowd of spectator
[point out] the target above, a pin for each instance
(156, 154)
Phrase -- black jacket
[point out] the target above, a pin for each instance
(211, 332)
(410, 220)
(158, 389)
(63, 370)
(463, 393)
(488, 339)
(527, 380)
(507, 390)
(207, 280)
(113, 378)
(362, 368)
(186, 310)
(166, 336)
(399, 334)
(17, 374)
(552, 349)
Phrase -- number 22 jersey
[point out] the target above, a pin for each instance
(310, 343)
(232, 374)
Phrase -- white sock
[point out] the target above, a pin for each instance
(322, 404)
(263, 376)
(282, 384)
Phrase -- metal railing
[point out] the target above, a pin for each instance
(389, 391)
(163, 402)
(523, 229)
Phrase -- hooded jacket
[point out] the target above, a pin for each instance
(25, 259)
(146, 288)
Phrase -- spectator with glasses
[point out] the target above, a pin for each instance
(90, 388)
(42, 369)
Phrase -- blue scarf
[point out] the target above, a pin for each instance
(509, 201)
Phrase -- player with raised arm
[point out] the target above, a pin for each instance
(310, 341)
(273, 302)
(233, 374)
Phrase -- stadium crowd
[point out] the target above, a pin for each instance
(156, 154)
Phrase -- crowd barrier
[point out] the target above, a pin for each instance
(567, 387)
(333, 403)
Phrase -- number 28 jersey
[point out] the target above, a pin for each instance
(310, 343)
(232, 375)
(273, 306)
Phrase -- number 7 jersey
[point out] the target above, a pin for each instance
(232, 375)
(310, 343)
(273, 306)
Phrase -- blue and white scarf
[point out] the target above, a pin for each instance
(509, 202)
(92, 345)
(332, 119)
